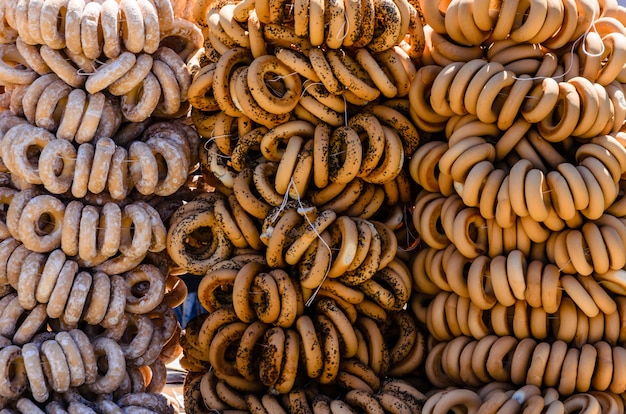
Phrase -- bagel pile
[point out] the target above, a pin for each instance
(97, 153)
(390, 205)
(519, 206)
(419, 214)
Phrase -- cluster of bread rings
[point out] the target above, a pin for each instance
(377, 25)
(47, 295)
(519, 286)
(556, 193)
(146, 84)
(503, 279)
(450, 315)
(508, 197)
(110, 238)
(267, 88)
(91, 29)
(248, 355)
(266, 308)
(350, 167)
(530, 398)
(585, 108)
(83, 85)
(527, 362)
(58, 364)
(291, 235)
(82, 118)
(553, 23)
(74, 402)
(69, 293)
(159, 165)
(204, 390)
(99, 51)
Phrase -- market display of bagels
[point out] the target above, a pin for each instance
(391, 206)
(96, 155)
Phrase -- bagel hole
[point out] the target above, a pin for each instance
(127, 233)
(472, 230)
(57, 115)
(129, 334)
(275, 84)
(337, 155)
(507, 359)
(3, 212)
(521, 17)
(260, 300)
(102, 363)
(199, 241)
(487, 285)
(161, 166)
(557, 114)
(57, 166)
(501, 97)
(16, 370)
(14, 63)
(45, 224)
(61, 19)
(32, 155)
(382, 281)
(140, 289)
(439, 226)
(177, 43)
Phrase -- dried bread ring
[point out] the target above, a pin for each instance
(37, 238)
(385, 37)
(109, 349)
(59, 65)
(77, 299)
(343, 67)
(176, 166)
(110, 72)
(32, 57)
(12, 384)
(109, 22)
(143, 167)
(46, 112)
(35, 139)
(132, 27)
(152, 30)
(200, 90)
(84, 160)
(72, 115)
(132, 78)
(178, 66)
(118, 182)
(156, 290)
(87, 233)
(188, 32)
(225, 66)
(171, 94)
(13, 67)
(135, 244)
(259, 70)
(141, 100)
(90, 35)
(249, 106)
(103, 153)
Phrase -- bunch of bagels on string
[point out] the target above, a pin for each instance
(96, 155)
(390, 205)
(417, 207)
